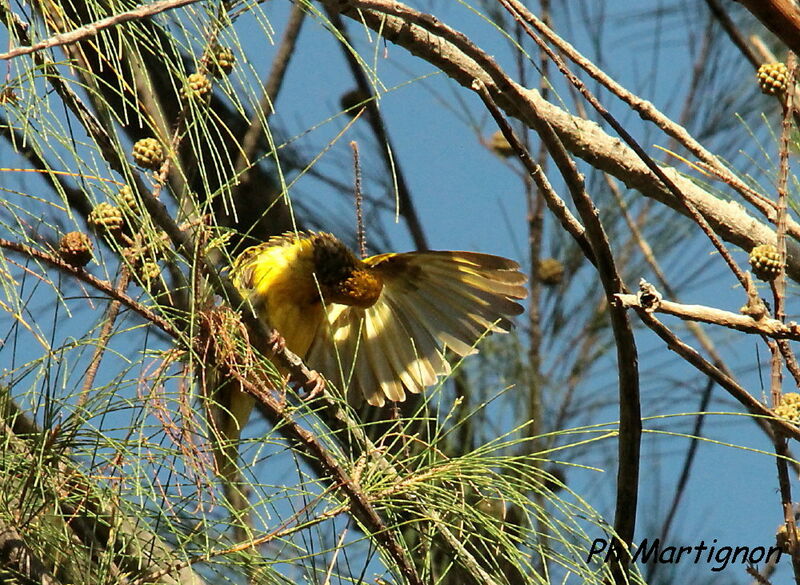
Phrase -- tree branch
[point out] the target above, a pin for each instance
(582, 138)
(90, 30)
(650, 300)
(779, 16)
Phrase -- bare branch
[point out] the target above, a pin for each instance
(92, 29)
(101, 285)
(582, 138)
(780, 16)
(773, 328)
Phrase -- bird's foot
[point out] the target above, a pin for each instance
(313, 386)
(276, 342)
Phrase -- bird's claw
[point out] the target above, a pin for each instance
(313, 386)
(276, 342)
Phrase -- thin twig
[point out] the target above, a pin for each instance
(701, 313)
(109, 319)
(287, 528)
(90, 30)
(99, 135)
(178, 127)
(630, 426)
(285, 418)
(790, 360)
(76, 198)
(283, 55)
(643, 107)
(764, 51)
(778, 289)
(456, 56)
(785, 485)
(536, 203)
(652, 261)
(630, 141)
(761, 202)
(733, 33)
(683, 479)
(360, 233)
(779, 284)
(555, 203)
(702, 337)
(693, 357)
(183, 241)
(701, 64)
(272, 87)
(101, 285)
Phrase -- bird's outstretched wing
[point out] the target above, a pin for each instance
(429, 300)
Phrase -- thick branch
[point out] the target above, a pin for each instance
(582, 138)
(780, 16)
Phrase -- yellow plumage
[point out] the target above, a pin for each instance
(274, 277)
(378, 327)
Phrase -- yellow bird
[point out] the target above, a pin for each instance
(377, 327)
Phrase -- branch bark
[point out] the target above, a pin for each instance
(773, 328)
(447, 49)
(781, 17)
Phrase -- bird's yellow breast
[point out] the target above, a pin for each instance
(280, 282)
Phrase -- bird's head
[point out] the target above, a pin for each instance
(343, 278)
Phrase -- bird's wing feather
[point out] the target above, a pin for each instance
(429, 300)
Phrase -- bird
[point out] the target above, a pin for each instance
(376, 328)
